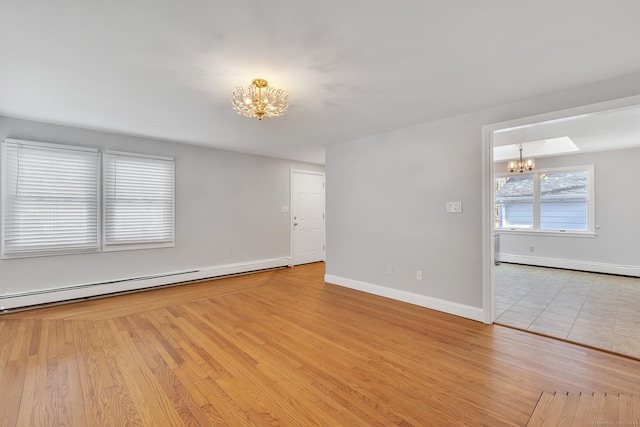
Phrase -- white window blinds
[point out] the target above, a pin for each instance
(138, 199)
(49, 199)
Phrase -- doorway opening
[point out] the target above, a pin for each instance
(566, 266)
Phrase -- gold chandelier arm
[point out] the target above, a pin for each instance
(252, 102)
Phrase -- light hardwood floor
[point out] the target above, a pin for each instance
(281, 348)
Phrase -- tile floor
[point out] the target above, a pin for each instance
(598, 310)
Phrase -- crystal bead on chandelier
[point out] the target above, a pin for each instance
(521, 165)
(259, 100)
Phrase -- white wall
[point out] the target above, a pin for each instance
(224, 201)
(616, 248)
(386, 198)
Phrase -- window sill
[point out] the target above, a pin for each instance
(114, 247)
(555, 233)
(47, 253)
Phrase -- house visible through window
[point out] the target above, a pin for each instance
(49, 199)
(559, 200)
(138, 201)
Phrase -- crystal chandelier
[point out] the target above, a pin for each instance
(521, 165)
(259, 100)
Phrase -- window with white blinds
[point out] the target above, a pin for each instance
(49, 199)
(138, 201)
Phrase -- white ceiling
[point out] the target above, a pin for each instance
(166, 69)
(602, 131)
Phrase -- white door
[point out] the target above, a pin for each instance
(307, 216)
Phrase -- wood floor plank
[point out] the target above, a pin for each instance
(582, 409)
(21, 342)
(291, 362)
(89, 374)
(597, 411)
(249, 370)
(549, 410)
(568, 415)
(144, 387)
(208, 367)
(584, 412)
(77, 408)
(123, 407)
(13, 381)
(629, 409)
(25, 411)
(8, 329)
(38, 400)
(611, 408)
(285, 348)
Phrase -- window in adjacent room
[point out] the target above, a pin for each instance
(49, 199)
(138, 201)
(514, 202)
(551, 200)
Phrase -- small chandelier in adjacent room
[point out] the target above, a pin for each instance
(259, 100)
(521, 165)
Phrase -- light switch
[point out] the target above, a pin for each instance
(454, 207)
(285, 209)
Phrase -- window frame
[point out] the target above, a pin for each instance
(137, 245)
(536, 230)
(3, 220)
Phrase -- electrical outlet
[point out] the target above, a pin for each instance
(227, 254)
(389, 269)
(419, 275)
(531, 248)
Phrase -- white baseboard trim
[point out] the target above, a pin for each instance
(72, 292)
(462, 310)
(594, 267)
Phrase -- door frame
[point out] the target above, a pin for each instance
(324, 218)
(488, 277)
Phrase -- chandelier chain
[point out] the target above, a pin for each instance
(521, 165)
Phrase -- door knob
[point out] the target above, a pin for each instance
(295, 223)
